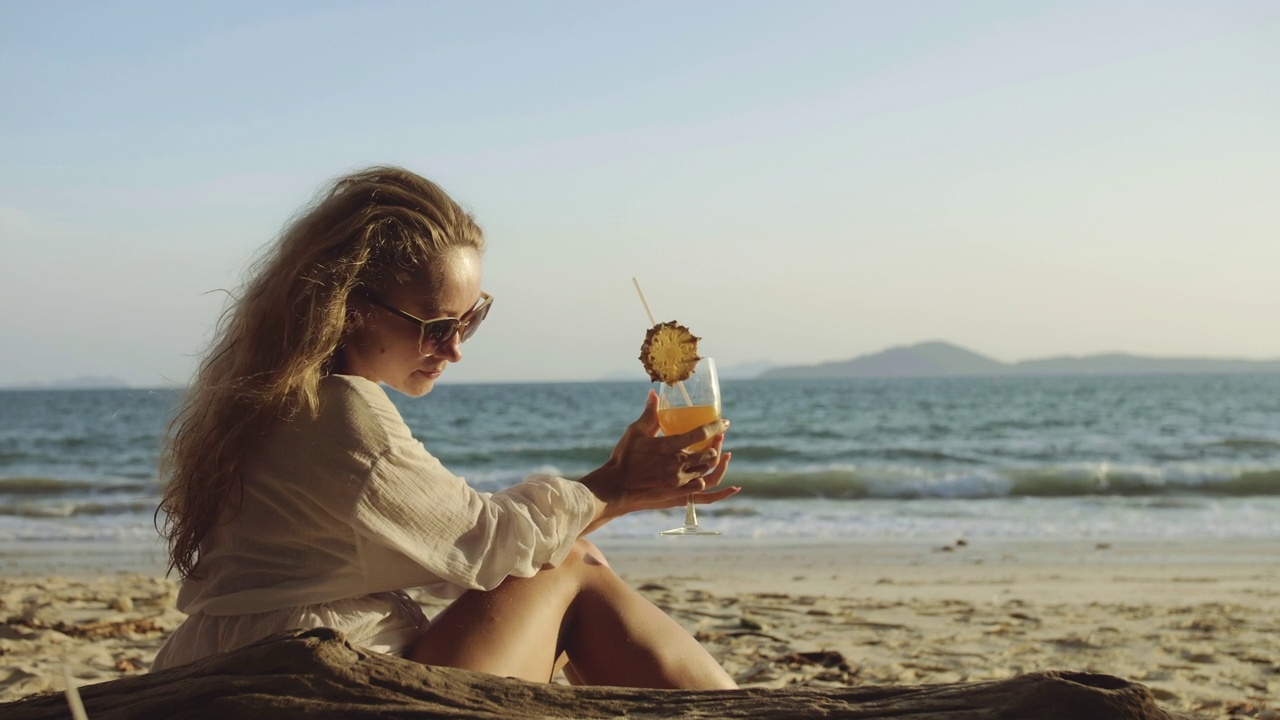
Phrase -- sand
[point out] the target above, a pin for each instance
(1198, 622)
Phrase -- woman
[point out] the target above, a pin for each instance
(297, 496)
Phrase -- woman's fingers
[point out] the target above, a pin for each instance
(675, 500)
(702, 497)
(648, 420)
(706, 498)
(695, 486)
(700, 477)
(706, 458)
(713, 478)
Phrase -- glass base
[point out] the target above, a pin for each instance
(689, 530)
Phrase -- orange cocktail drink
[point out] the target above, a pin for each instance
(676, 420)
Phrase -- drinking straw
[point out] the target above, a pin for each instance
(687, 400)
(73, 695)
(644, 302)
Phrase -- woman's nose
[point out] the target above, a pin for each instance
(451, 350)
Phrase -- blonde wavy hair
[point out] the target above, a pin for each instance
(373, 229)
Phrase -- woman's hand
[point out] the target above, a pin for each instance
(647, 472)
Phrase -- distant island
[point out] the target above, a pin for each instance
(941, 359)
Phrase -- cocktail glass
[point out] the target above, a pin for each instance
(682, 407)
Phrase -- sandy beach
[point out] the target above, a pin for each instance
(1197, 622)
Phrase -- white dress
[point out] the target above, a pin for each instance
(341, 512)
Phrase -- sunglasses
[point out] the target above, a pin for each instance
(436, 332)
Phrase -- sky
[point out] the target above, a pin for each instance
(797, 182)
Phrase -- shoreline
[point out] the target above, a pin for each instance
(87, 558)
(82, 558)
(1193, 620)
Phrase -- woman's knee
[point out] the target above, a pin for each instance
(583, 556)
(587, 553)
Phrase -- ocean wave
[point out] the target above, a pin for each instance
(51, 486)
(62, 497)
(907, 483)
(77, 509)
(925, 454)
(1247, 443)
(42, 485)
(725, 511)
(584, 455)
(767, 453)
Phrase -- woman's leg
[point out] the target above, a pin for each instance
(612, 635)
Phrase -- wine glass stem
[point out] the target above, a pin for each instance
(690, 515)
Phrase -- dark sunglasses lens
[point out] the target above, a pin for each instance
(474, 321)
(438, 333)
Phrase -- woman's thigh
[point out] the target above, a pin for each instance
(513, 630)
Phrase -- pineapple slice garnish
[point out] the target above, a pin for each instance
(669, 352)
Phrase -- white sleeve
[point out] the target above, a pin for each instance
(417, 524)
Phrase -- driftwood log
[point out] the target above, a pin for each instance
(317, 674)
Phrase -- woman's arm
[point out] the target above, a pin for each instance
(413, 515)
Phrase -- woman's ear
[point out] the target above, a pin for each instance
(354, 317)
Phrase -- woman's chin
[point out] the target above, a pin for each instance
(422, 382)
(417, 384)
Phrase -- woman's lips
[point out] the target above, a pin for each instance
(432, 373)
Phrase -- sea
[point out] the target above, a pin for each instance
(1106, 457)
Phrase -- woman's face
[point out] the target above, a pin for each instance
(384, 347)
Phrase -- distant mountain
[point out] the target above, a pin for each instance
(940, 359)
(929, 359)
(1119, 364)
